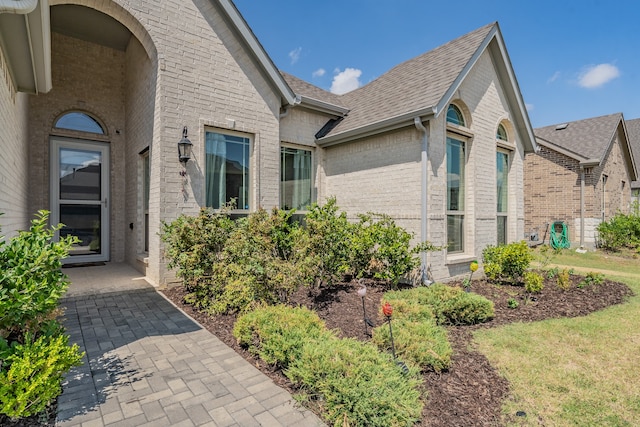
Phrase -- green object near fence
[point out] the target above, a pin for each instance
(559, 238)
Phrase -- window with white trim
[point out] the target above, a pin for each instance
(502, 194)
(456, 161)
(455, 194)
(295, 178)
(227, 166)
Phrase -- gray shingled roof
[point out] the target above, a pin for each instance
(588, 138)
(633, 132)
(300, 87)
(417, 84)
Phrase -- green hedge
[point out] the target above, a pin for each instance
(450, 305)
(353, 382)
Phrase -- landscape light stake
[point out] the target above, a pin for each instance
(387, 310)
(362, 292)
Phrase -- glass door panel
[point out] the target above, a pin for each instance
(79, 196)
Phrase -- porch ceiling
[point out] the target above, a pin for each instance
(88, 24)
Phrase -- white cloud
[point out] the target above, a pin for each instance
(553, 78)
(295, 55)
(346, 81)
(597, 75)
(319, 72)
(529, 107)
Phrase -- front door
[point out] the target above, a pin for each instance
(80, 196)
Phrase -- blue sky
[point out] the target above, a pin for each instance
(573, 59)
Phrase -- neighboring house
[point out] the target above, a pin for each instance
(581, 175)
(96, 95)
(633, 130)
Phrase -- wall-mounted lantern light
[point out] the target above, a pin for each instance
(184, 147)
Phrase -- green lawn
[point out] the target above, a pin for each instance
(574, 372)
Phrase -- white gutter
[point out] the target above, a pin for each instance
(321, 106)
(417, 121)
(19, 7)
(384, 125)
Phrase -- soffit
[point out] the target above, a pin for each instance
(90, 25)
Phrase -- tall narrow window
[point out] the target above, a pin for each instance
(146, 180)
(227, 170)
(295, 178)
(502, 194)
(455, 195)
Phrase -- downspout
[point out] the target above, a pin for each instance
(19, 7)
(581, 207)
(423, 210)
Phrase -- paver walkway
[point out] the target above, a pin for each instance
(148, 364)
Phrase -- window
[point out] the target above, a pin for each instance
(501, 134)
(502, 194)
(146, 180)
(80, 122)
(227, 170)
(454, 115)
(455, 194)
(295, 178)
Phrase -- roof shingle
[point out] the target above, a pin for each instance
(588, 138)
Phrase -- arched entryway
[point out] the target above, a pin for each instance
(87, 134)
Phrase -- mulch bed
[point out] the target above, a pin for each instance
(471, 392)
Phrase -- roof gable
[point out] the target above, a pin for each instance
(413, 85)
(424, 86)
(589, 140)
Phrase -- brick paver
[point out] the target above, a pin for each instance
(147, 363)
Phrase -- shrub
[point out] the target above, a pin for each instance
(277, 334)
(507, 262)
(31, 281)
(31, 373)
(533, 282)
(563, 279)
(34, 352)
(232, 266)
(512, 303)
(381, 249)
(422, 343)
(195, 244)
(328, 236)
(356, 385)
(591, 278)
(450, 305)
(621, 231)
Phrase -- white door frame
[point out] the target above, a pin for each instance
(79, 144)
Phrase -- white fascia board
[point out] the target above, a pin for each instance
(322, 106)
(258, 51)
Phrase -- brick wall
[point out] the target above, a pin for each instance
(552, 191)
(14, 183)
(184, 67)
(90, 78)
(383, 173)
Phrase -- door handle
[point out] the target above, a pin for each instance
(105, 203)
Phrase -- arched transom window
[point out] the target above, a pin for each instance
(79, 121)
(501, 133)
(454, 115)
